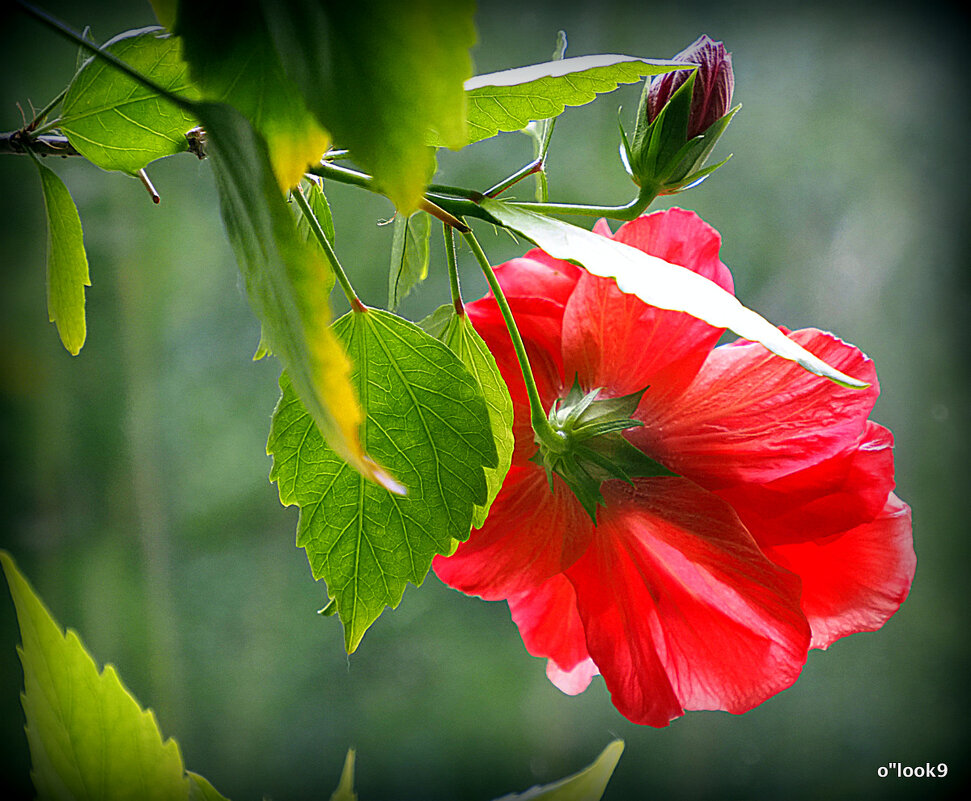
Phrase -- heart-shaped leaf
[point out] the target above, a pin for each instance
(427, 422)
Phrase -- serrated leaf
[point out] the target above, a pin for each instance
(464, 341)
(509, 100)
(587, 785)
(381, 75)
(286, 281)
(659, 283)
(119, 124)
(409, 255)
(88, 737)
(426, 421)
(233, 60)
(67, 263)
(345, 789)
(201, 790)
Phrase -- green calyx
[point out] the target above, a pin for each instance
(660, 158)
(588, 447)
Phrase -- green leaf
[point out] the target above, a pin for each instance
(165, 11)
(436, 322)
(286, 280)
(233, 60)
(587, 785)
(88, 737)
(345, 789)
(201, 790)
(67, 263)
(463, 340)
(119, 124)
(382, 76)
(509, 100)
(659, 283)
(409, 255)
(427, 422)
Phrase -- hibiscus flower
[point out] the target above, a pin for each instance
(774, 530)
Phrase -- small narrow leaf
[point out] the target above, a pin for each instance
(587, 785)
(119, 124)
(509, 100)
(345, 789)
(463, 340)
(409, 255)
(88, 737)
(427, 422)
(67, 263)
(320, 208)
(233, 60)
(286, 281)
(659, 283)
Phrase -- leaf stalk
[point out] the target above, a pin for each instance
(545, 434)
(329, 252)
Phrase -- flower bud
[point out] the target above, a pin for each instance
(714, 84)
(681, 116)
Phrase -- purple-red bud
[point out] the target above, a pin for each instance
(714, 84)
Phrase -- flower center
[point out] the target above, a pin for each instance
(588, 447)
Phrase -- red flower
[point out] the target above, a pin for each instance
(703, 590)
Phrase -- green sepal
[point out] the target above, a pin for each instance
(656, 143)
(661, 157)
(592, 448)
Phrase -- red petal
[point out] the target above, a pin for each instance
(680, 607)
(617, 341)
(539, 322)
(538, 275)
(854, 581)
(679, 237)
(574, 681)
(827, 498)
(550, 626)
(751, 416)
(530, 535)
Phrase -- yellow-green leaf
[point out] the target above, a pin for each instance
(508, 100)
(587, 785)
(119, 124)
(286, 280)
(67, 263)
(345, 789)
(463, 340)
(384, 77)
(233, 60)
(409, 256)
(88, 737)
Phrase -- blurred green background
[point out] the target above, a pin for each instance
(135, 484)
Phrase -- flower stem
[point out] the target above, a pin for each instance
(453, 273)
(541, 425)
(329, 252)
(626, 212)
